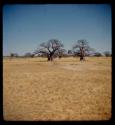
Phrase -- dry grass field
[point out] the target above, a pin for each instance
(66, 89)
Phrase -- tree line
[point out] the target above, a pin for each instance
(55, 48)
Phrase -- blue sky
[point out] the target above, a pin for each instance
(26, 26)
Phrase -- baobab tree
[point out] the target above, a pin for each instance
(50, 48)
(82, 48)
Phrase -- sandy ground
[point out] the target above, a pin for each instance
(66, 89)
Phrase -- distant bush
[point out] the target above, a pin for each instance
(107, 54)
(13, 55)
(28, 55)
(98, 54)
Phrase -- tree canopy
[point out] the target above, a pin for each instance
(50, 48)
(82, 48)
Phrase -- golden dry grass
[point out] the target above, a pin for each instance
(66, 89)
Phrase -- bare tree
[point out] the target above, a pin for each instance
(50, 48)
(82, 48)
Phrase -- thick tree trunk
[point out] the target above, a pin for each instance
(82, 58)
(50, 57)
(82, 55)
(60, 57)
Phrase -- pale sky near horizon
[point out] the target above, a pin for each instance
(25, 26)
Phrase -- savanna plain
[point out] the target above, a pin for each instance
(64, 89)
